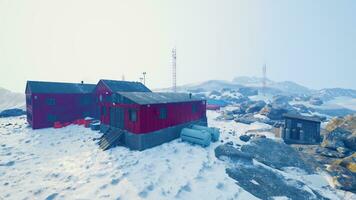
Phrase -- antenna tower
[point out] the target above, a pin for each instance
(264, 78)
(174, 70)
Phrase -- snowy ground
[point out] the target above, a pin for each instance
(67, 164)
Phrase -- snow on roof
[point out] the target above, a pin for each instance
(125, 86)
(143, 98)
(58, 87)
(302, 117)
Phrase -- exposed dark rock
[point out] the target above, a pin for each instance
(245, 138)
(245, 120)
(330, 153)
(232, 153)
(12, 112)
(316, 101)
(335, 138)
(343, 150)
(246, 91)
(342, 178)
(273, 112)
(275, 154)
(301, 108)
(280, 99)
(350, 142)
(266, 184)
(255, 107)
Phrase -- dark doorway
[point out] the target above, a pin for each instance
(296, 134)
(117, 117)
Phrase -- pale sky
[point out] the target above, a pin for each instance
(309, 42)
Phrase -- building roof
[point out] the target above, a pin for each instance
(125, 86)
(301, 117)
(58, 88)
(144, 98)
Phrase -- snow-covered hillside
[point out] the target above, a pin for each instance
(67, 164)
(10, 99)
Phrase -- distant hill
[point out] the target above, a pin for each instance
(273, 87)
(330, 93)
(288, 87)
(10, 99)
(205, 86)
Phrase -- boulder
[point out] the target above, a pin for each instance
(350, 142)
(12, 112)
(255, 107)
(301, 108)
(335, 138)
(316, 101)
(231, 152)
(245, 120)
(263, 183)
(245, 138)
(273, 112)
(330, 153)
(342, 178)
(275, 154)
(238, 111)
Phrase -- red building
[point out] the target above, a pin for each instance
(49, 102)
(148, 118)
(130, 113)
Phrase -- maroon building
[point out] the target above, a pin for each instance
(130, 113)
(140, 120)
(49, 102)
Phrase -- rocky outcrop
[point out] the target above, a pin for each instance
(247, 91)
(275, 154)
(342, 178)
(348, 122)
(255, 107)
(336, 138)
(232, 153)
(266, 184)
(261, 181)
(245, 138)
(12, 112)
(316, 101)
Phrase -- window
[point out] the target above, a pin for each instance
(163, 113)
(50, 101)
(133, 115)
(51, 118)
(194, 108)
(299, 125)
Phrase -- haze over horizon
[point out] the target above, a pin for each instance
(309, 42)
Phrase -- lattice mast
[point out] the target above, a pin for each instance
(264, 79)
(174, 70)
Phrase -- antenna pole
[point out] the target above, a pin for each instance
(264, 79)
(174, 70)
(144, 78)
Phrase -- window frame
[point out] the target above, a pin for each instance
(50, 101)
(194, 108)
(131, 118)
(163, 113)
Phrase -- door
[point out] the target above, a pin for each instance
(117, 117)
